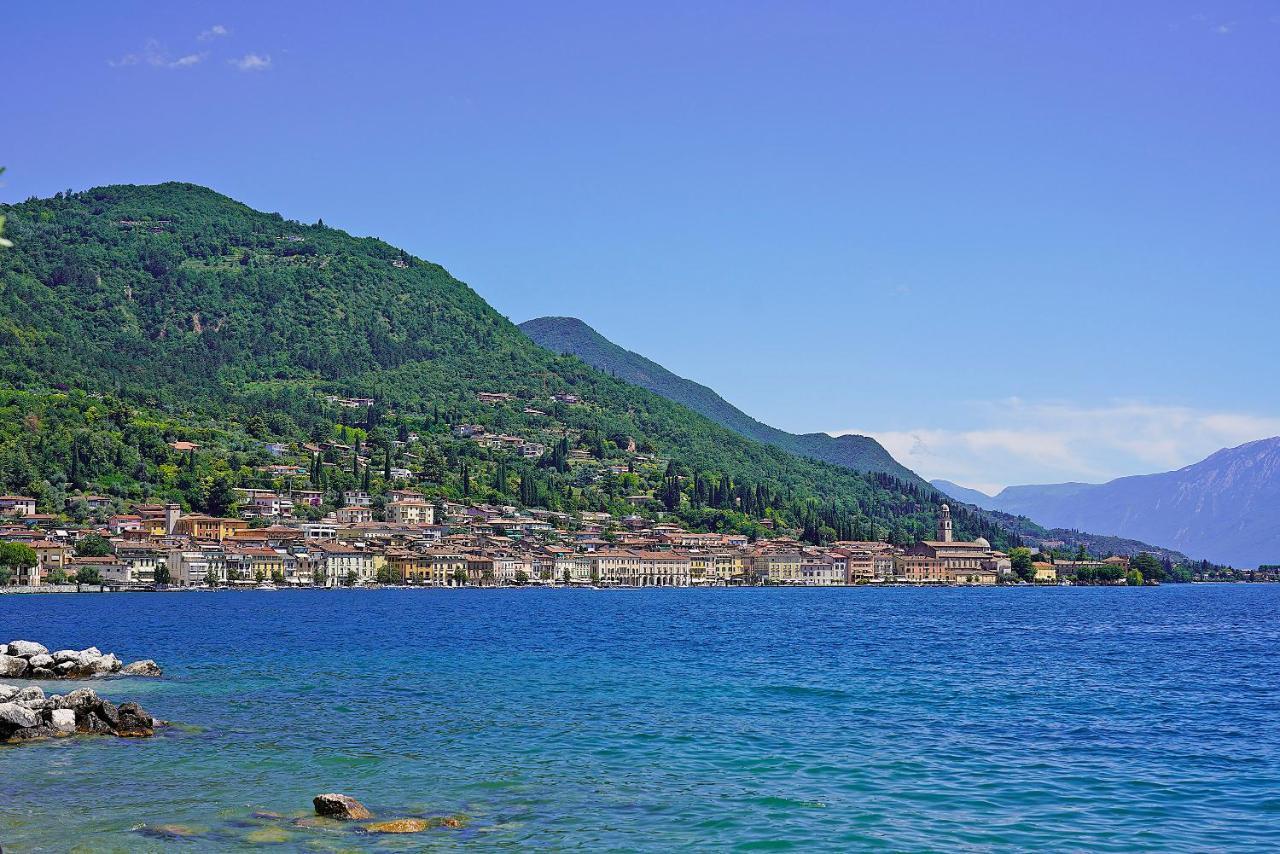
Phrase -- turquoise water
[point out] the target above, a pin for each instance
(1004, 719)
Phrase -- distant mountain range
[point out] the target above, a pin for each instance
(573, 336)
(1223, 508)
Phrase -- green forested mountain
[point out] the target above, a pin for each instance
(132, 316)
(571, 335)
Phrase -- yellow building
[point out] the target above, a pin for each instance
(776, 568)
(1046, 573)
(200, 527)
(728, 567)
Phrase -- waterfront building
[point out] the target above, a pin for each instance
(775, 568)
(338, 562)
(963, 561)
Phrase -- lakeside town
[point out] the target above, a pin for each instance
(315, 514)
(412, 541)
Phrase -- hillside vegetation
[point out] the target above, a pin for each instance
(570, 335)
(133, 316)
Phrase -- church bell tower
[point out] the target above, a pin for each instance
(944, 524)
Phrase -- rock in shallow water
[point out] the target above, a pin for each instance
(342, 807)
(170, 831)
(399, 825)
(62, 720)
(132, 721)
(268, 836)
(145, 667)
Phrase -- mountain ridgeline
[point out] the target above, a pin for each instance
(132, 316)
(1221, 508)
(859, 453)
(573, 336)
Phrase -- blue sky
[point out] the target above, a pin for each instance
(1017, 242)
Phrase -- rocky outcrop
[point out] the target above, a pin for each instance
(145, 667)
(26, 714)
(342, 807)
(26, 649)
(22, 659)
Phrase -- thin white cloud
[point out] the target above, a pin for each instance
(252, 62)
(156, 55)
(1018, 442)
(188, 60)
(217, 31)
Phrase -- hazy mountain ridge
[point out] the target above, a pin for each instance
(1220, 508)
(573, 336)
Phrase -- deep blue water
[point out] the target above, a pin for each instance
(1112, 719)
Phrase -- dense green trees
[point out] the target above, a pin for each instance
(131, 317)
(14, 559)
(1020, 560)
(93, 545)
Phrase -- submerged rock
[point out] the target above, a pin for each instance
(268, 836)
(169, 831)
(319, 822)
(453, 822)
(399, 825)
(342, 807)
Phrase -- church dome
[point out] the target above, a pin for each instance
(945, 509)
(982, 541)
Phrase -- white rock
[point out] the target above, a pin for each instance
(67, 655)
(4, 649)
(31, 692)
(107, 664)
(8, 692)
(42, 660)
(15, 715)
(145, 667)
(92, 652)
(79, 699)
(64, 720)
(26, 649)
(12, 665)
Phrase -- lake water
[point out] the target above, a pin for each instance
(1113, 719)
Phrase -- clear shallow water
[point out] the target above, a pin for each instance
(1014, 719)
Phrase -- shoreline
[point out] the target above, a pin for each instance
(618, 587)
